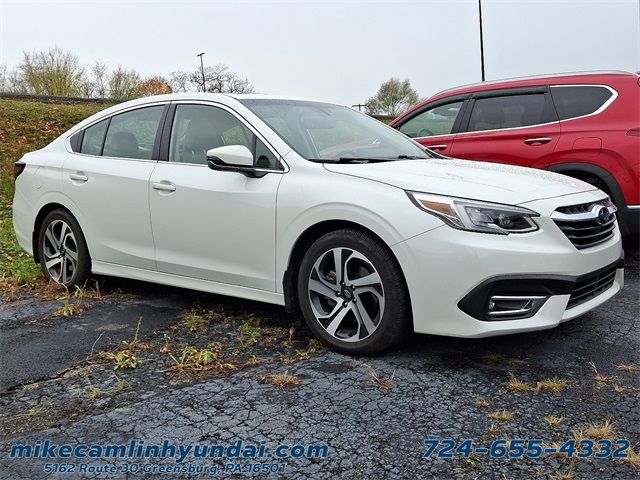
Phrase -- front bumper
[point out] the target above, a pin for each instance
(444, 266)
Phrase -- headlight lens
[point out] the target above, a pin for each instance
(477, 216)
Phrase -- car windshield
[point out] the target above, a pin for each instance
(332, 133)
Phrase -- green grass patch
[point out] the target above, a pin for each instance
(26, 126)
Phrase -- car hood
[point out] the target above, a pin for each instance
(490, 182)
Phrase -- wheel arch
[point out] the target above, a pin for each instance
(44, 211)
(300, 246)
(585, 170)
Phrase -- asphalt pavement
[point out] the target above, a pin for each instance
(58, 382)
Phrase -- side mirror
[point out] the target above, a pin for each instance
(232, 158)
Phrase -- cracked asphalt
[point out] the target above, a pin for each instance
(373, 413)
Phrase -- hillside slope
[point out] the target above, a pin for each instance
(26, 126)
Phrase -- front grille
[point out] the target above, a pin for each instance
(588, 224)
(591, 285)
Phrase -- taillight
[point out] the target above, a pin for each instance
(18, 168)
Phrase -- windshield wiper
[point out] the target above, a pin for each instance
(411, 157)
(367, 159)
(351, 160)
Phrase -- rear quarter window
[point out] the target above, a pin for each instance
(577, 101)
(93, 138)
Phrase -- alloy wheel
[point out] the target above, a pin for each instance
(60, 251)
(346, 294)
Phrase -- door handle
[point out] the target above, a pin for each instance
(78, 177)
(441, 146)
(537, 141)
(164, 186)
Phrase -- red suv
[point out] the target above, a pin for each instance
(585, 125)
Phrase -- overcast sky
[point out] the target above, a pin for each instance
(339, 51)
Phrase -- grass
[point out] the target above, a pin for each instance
(26, 126)
(194, 321)
(554, 384)
(382, 383)
(503, 416)
(196, 360)
(597, 431)
(601, 379)
(553, 421)
(126, 358)
(249, 332)
(563, 476)
(494, 358)
(628, 368)
(515, 385)
(633, 457)
(281, 380)
(482, 403)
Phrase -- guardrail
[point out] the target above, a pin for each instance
(55, 99)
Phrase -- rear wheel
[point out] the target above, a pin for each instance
(64, 257)
(352, 293)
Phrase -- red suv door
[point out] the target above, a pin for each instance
(517, 126)
(434, 127)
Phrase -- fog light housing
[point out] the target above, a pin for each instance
(508, 307)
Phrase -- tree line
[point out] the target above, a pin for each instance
(60, 73)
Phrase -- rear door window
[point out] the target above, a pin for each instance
(577, 100)
(132, 134)
(510, 111)
(434, 121)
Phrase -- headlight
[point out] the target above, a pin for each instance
(477, 216)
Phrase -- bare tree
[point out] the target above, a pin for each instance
(52, 72)
(15, 82)
(4, 78)
(123, 84)
(179, 81)
(393, 97)
(219, 79)
(100, 79)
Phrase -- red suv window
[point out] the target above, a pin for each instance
(509, 111)
(578, 101)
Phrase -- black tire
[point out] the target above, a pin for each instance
(82, 270)
(395, 319)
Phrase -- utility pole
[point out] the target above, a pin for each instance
(204, 85)
(359, 105)
(481, 40)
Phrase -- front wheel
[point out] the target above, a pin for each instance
(352, 293)
(64, 257)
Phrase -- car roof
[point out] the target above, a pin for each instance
(217, 97)
(538, 80)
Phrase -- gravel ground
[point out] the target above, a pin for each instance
(58, 382)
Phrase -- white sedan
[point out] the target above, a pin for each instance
(320, 208)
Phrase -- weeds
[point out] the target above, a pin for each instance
(194, 321)
(194, 360)
(553, 421)
(554, 384)
(382, 383)
(598, 377)
(627, 368)
(503, 416)
(515, 385)
(280, 380)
